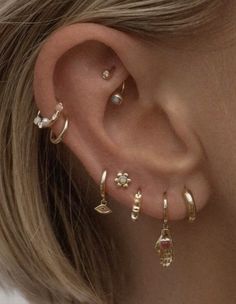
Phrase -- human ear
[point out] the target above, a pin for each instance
(149, 135)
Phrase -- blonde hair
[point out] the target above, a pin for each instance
(49, 247)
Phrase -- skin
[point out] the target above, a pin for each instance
(174, 129)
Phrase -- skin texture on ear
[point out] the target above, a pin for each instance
(150, 135)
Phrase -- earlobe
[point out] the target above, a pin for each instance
(115, 122)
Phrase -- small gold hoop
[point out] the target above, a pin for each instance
(190, 205)
(165, 209)
(56, 140)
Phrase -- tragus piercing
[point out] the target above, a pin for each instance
(117, 98)
(122, 180)
(164, 244)
(43, 122)
(102, 207)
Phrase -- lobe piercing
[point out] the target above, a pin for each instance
(190, 205)
(102, 207)
(43, 122)
(122, 180)
(136, 206)
(56, 140)
(164, 244)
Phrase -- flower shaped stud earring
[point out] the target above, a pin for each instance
(122, 180)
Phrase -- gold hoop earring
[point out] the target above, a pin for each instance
(102, 207)
(164, 244)
(43, 122)
(136, 206)
(56, 140)
(117, 98)
(190, 205)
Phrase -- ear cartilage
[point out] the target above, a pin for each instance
(122, 180)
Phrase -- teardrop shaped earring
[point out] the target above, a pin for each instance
(118, 97)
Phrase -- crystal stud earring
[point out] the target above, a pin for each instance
(118, 98)
(122, 180)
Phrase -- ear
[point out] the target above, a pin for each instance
(149, 135)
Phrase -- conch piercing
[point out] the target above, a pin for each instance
(102, 207)
(164, 244)
(117, 98)
(43, 122)
(56, 140)
(136, 206)
(122, 180)
(190, 205)
(106, 75)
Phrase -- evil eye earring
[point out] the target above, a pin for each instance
(102, 208)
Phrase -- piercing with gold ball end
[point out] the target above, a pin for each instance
(43, 122)
(190, 205)
(106, 75)
(122, 180)
(56, 140)
(102, 208)
(136, 206)
(117, 98)
(164, 244)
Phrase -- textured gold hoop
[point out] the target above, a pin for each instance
(190, 205)
(56, 140)
(136, 206)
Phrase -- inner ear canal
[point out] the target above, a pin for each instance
(142, 129)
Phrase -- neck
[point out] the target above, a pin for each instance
(203, 270)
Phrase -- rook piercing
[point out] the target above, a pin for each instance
(56, 140)
(136, 206)
(43, 122)
(164, 244)
(102, 207)
(190, 205)
(122, 180)
(117, 98)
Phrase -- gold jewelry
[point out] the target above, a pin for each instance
(136, 206)
(102, 207)
(43, 122)
(117, 98)
(122, 180)
(56, 140)
(190, 205)
(106, 75)
(164, 244)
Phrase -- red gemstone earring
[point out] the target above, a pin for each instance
(164, 244)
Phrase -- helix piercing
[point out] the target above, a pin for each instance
(190, 205)
(122, 180)
(102, 207)
(56, 140)
(43, 122)
(118, 98)
(164, 244)
(136, 206)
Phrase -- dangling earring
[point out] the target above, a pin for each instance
(117, 98)
(190, 205)
(164, 244)
(102, 207)
(136, 206)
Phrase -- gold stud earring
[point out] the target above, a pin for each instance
(56, 140)
(106, 75)
(164, 244)
(43, 122)
(117, 98)
(190, 205)
(122, 180)
(102, 207)
(136, 206)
